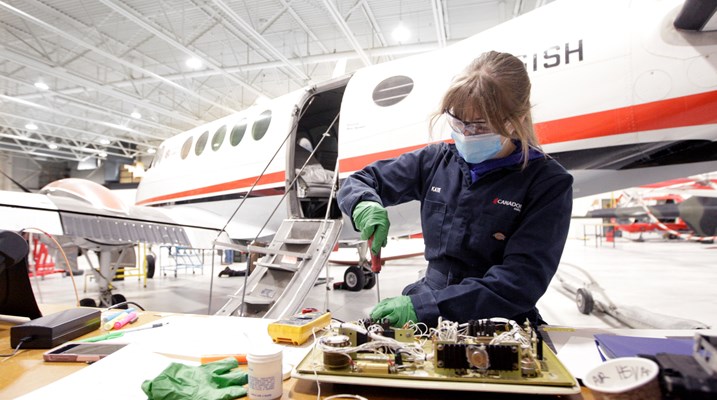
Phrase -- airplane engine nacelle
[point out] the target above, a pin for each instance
(88, 192)
(698, 213)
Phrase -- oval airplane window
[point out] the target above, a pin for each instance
(392, 90)
(201, 143)
(218, 137)
(261, 125)
(186, 147)
(237, 133)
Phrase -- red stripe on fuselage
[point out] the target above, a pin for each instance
(273, 177)
(697, 109)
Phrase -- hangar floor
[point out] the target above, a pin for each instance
(673, 278)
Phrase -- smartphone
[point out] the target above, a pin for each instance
(81, 352)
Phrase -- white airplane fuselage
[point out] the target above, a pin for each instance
(620, 97)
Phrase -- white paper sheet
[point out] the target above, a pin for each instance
(190, 336)
(117, 376)
(579, 355)
(184, 339)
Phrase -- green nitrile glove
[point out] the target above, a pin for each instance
(214, 380)
(398, 311)
(371, 219)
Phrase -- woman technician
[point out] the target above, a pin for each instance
(495, 209)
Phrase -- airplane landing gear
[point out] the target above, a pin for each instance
(357, 278)
(111, 258)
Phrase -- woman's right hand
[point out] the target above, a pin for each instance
(371, 219)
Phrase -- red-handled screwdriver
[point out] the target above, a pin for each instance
(375, 266)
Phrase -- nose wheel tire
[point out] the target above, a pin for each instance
(150, 266)
(370, 281)
(88, 302)
(118, 298)
(354, 279)
(584, 300)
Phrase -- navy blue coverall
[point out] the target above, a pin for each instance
(493, 240)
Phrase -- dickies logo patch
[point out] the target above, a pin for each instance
(499, 236)
(515, 205)
(435, 189)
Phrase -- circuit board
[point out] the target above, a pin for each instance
(473, 361)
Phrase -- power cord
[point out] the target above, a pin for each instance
(124, 303)
(23, 340)
(64, 256)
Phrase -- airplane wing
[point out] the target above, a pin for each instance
(659, 211)
(697, 15)
(87, 210)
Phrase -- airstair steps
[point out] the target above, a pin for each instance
(297, 241)
(285, 267)
(282, 279)
(258, 300)
(265, 250)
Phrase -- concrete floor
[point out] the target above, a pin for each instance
(673, 278)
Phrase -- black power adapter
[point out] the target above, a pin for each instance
(54, 329)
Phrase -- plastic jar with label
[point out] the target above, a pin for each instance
(265, 374)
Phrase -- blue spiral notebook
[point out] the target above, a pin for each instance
(614, 346)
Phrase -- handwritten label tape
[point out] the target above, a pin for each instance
(621, 374)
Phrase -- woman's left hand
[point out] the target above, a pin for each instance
(397, 310)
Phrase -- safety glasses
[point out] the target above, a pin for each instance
(467, 128)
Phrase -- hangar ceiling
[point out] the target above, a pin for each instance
(84, 79)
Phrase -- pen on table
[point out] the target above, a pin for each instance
(117, 334)
(241, 358)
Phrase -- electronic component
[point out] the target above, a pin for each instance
(489, 346)
(478, 357)
(358, 338)
(298, 328)
(494, 350)
(336, 360)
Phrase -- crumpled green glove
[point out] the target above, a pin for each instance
(214, 380)
(397, 310)
(371, 219)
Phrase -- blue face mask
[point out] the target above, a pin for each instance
(477, 148)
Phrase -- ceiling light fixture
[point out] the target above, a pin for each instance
(194, 63)
(52, 146)
(401, 33)
(41, 85)
(30, 126)
(135, 115)
(151, 150)
(104, 141)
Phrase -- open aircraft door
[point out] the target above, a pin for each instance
(312, 156)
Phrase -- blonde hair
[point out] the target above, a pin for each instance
(496, 85)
